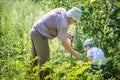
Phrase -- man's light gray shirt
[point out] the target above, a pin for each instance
(53, 24)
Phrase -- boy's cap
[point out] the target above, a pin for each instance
(88, 41)
(75, 13)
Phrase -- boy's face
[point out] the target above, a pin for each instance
(87, 48)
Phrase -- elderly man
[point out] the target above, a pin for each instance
(53, 24)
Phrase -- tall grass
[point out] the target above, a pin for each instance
(16, 20)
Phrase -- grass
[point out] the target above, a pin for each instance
(17, 18)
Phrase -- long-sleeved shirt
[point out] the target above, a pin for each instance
(53, 24)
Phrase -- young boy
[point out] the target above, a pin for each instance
(94, 55)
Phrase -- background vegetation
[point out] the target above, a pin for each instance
(100, 21)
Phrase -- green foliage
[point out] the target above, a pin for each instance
(67, 69)
(97, 20)
(16, 19)
(100, 21)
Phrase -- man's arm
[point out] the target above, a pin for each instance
(71, 50)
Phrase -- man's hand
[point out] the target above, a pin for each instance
(71, 50)
(70, 37)
(76, 54)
